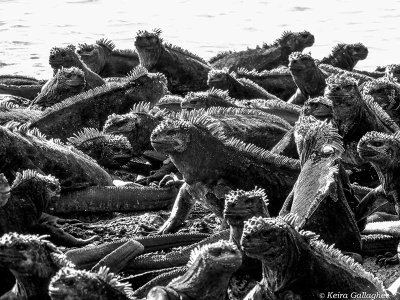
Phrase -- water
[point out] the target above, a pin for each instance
(28, 29)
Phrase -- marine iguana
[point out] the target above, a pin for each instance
(298, 265)
(29, 195)
(103, 59)
(91, 108)
(109, 150)
(309, 79)
(318, 107)
(29, 149)
(69, 283)
(212, 165)
(33, 261)
(239, 88)
(170, 103)
(209, 271)
(322, 197)
(67, 82)
(185, 71)
(22, 86)
(266, 57)
(354, 116)
(14, 100)
(387, 94)
(210, 98)
(66, 57)
(278, 82)
(346, 56)
(11, 112)
(329, 70)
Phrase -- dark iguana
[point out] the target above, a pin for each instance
(109, 150)
(329, 70)
(184, 71)
(66, 57)
(209, 271)
(170, 103)
(307, 76)
(278, 82)
(318, 107)
(210, 98)
(91, 108)
(22, 86)
(29, 149)
(67, 82)
(33, 261)
(322, 197)
(239, 88)
(11, 112)
(266, 57)
(354, 116)
(212, 165)
(29, 195)
(387, 94)
(346, 56)
(103, 59)
(6, 99)
(298, 265)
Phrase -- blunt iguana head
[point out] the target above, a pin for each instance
(109, 150)
(4, 190)
(319, 107)
(393, 72)
(148, 46)
(346, 56)
(210, 98)
(220, 79)
(95, 55)
(241, 205)
(300, 63)
(272, 240)
(346, 100)
(42, 189)
(30, 255)
(296, 41)
(73, 284)
(63, 57)
(385, 92)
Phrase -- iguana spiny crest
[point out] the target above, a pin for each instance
(212, 97)
(296, 41)
(62, 56)
(75, 284)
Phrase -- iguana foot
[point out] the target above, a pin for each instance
(56, 221)
(387, 259)
(170, 226)
(171, 180)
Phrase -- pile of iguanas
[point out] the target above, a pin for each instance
(296, 159)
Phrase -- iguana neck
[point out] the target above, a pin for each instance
(235, 233)
(343, 61)
(388, 177)
(312, 83)
(31, 286)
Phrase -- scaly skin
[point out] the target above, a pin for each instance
(207, 277)
(67, 57)
(210, 98)
(14, 100)
(346, 56)
(91, 108)
(103, 59)
(278, 82)
(297, 264)
(266, 57)
(329, 70)
(239, 88)
(354, 116)
(212, 165)
(10, 112)
(110, 151)
(67, 82)
(387, 94)
(73, 284)
(170, 103)
(184, 71)
(318, 107)
(33, 261)
(322, 197)
(309, 79)
(22, 86)
(393, 72)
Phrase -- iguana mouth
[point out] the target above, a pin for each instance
(10, 258)
(75, 82)
(296, 68)
(365, 151)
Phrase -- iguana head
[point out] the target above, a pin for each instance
(63, 57)
(71, 78)
(4, 190)
(170, 103)
(299, 63)
(30, 255)
(385, 92)
(241, 205)
(393, 72)
(296, 41)
(346, 100)
(109, 150)
(220, 79)
(172, 136)
(213, 97)
(148, 46)
(271, 240)
(73, 284)
(319, 107)
(357, 51)
(95, 55)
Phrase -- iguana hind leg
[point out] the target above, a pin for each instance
(56, 221)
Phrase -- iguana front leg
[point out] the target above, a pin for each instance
(287, 205)
(55, 221)
(183, 205)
